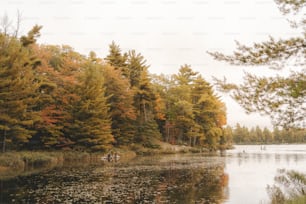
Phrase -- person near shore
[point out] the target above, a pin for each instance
(109, 156)
(112, 156)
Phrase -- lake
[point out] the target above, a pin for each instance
(236, 176)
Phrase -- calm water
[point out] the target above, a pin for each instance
(252, 167)
(237, 176)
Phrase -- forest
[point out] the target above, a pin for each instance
(54, 98)
(256, 135)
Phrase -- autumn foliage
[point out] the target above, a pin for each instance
(52, 97)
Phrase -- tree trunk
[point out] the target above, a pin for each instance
(194, 141)
(144, 112)
(3, 143)
(167, 134)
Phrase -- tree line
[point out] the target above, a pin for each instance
(256, 135)
(52, 97)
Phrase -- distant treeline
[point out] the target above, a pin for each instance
(52, 97)
(256, 135)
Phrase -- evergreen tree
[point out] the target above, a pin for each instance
(194, 115)
(259, 134)
(238, 134)
(209, 111)
(118, 60)
(277, 135)
(122, 111)
(267, 135)
(144, 99)
(227, 137)
(136, 64)
(163, 85)
(181, 103)
(90, 127)
(18, 89)
(253, 136)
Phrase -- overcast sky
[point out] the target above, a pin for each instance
(169, 33)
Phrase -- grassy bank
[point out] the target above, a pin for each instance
(21, 163)
(158, 147)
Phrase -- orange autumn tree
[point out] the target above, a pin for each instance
(57, 76)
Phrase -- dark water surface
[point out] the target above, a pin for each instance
(237, 176)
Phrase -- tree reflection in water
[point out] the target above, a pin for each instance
(200, 180)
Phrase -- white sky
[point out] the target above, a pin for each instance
(169, 33)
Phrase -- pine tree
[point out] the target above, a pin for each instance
(136, 64)
(259, 134)
(227, 137)
(91, 125)
(193, 113)
(120, 97)
(144, 99)
(182, 103)
(268, 137)
(277, 135)
(18, 90)
(209, 111)
(117, 59)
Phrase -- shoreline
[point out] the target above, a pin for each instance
(23, 163)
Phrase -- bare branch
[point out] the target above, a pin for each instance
(5, 24)
(18, 23)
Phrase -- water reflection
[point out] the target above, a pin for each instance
(234, 176)
(173, 179)
(265, 158)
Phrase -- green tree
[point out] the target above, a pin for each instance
(121, 98)
(267, 135)
(281, 98)
(238, 134)
(136, 65)
(144, 99)
(194, 114)
(277, 135)
(209, 111)
(253, 136)
(227, 137)
(18, 89)
(118, 60)
(90, 127)
(163, 87)
(181, 103)
(33, 34)
(259, 134)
